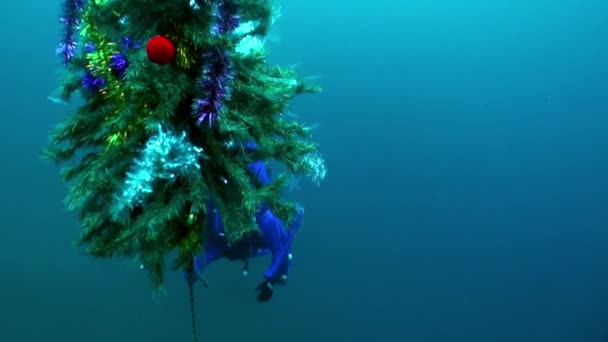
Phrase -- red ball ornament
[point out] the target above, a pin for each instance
(160, 50)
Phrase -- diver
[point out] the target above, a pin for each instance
(272, 237)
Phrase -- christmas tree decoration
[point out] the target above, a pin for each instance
(167, 154)
(160, 50)
(71, 19)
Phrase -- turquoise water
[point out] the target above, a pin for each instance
(466, 198)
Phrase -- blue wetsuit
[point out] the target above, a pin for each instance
(272, 238)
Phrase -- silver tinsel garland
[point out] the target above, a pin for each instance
(164, 157)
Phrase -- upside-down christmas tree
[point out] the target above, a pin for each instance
(178, 102)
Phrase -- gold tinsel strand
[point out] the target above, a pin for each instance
(183, 58)
(116, 139)
(184, 52)
(99, 66)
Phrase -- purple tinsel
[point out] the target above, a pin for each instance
(214, 84)
(71, 20)
(226, 17)
(217, 71)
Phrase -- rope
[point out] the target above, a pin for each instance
(191, 287)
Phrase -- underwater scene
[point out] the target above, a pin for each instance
(290, 170)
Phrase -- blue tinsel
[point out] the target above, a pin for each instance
(92, 83)
(119, 64)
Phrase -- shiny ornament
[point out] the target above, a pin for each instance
(160, 50)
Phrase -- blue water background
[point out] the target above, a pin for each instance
(466, 198)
